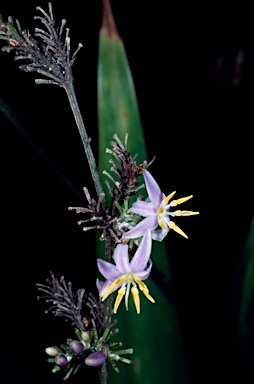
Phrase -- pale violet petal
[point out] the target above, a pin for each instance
(108, 270)
(159, 234)
(143, 208)
(99, 284)
(153, 189)
(142, 255)
(103, 286)
(121, 258)
(139, 229)
(145, 274)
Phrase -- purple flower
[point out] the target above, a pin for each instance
(156, 210)
(125, 273)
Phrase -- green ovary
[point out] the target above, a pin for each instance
(129, 278)
(162, 212)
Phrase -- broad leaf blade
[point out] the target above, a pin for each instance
(154, 334)
(117, 103)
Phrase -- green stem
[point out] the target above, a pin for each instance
(84, 137)
(103, 374)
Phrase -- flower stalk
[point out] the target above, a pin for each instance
(84, 137)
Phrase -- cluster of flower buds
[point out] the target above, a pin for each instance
(88, 349)
(93, 345)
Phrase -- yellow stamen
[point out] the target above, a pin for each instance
(119, 297)
(147, 294)
(166, 199)
(136, 299)
(144, 289)
(162, 225)
(173, 226)
(185, 213)
(112, 286)
(180, 201)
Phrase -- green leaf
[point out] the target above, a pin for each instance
(248, 284)
(118, 110)
(155, 333)
(242, 306)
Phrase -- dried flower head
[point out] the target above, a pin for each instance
(51, 58)
(114, 219)
(73, 306)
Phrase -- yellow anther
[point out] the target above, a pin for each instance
(173, 226)
(136, 299)
(112, 286)
(144, 289)
(180, 201)
(185, 213)
(147, 294)
(166, 199)
(119, 297)
(162, 225)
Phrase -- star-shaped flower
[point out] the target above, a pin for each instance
(156, 210)
(127, 274)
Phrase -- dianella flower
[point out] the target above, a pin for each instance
(157, 212)
(127, 275)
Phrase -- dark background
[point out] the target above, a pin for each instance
(193, 72)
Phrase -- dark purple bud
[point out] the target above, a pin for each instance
(76, 346)
(96, 359)
(61, 361)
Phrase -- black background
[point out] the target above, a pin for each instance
(197, 121)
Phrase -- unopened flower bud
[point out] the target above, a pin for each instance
(85, 336)
(61, 361)
(76, 346)
(96, 359)
(52, 351)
